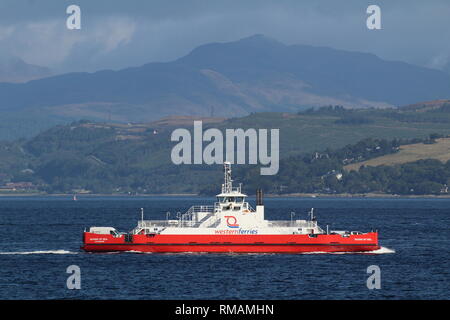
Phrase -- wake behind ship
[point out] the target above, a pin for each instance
(230, 225)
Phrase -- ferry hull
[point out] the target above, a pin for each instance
(232, 243)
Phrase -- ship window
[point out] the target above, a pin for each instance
(237, 208)
(230, 199)
(115, 233)
(239, 199)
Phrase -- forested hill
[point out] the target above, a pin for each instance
(326, 172)
(315, 145)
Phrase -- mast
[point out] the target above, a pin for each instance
(227, 186)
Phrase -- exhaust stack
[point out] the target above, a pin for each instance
(259, 197)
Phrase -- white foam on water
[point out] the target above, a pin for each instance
(315, 252)
(134, 251)
(39, 252)
(382, 250)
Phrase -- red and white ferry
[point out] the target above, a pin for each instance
(230, 225)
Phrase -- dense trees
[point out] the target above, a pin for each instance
(324, 173)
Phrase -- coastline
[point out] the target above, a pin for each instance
(93, 195)
(288, 195)
(356, 195)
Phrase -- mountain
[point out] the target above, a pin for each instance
(13, 69)
(231, 79)
(360, 79)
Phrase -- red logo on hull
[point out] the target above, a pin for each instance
(232, 222)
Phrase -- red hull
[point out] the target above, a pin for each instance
(290, 243)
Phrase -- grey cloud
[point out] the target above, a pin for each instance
(117, 34)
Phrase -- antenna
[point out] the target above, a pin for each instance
(142, 215)
(228, 182)
(312, 214)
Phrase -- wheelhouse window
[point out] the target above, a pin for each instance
(230, 199)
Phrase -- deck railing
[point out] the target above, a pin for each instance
(196, 209)
(154, 223)
(292, 223)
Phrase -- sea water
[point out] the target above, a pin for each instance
(41, 237)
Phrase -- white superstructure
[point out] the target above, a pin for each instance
(231, 214)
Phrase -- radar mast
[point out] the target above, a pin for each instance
(227, 186)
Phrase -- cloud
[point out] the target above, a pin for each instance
(113, 32)
(118, 34)
(440, 61)
(50, 43)
(6, 32)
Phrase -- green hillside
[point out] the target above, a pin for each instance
(440, 150)
(122, 158)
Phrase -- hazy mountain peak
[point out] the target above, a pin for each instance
(14, 69)
(260, 38)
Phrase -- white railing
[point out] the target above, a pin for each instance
(152, 223)
(196, 209)
(189, 218)
(292, 223)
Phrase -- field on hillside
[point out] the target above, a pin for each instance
(304, 133)
(409, 153)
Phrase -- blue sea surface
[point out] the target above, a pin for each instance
(41, 237)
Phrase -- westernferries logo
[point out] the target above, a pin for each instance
(232, 222)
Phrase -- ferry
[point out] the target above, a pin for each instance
(230, 225)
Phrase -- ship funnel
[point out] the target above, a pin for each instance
(259, 197)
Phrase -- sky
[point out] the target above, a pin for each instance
(119, 34)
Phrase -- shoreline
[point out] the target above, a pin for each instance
(87, 195)
(289, 195)
(357, 195)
